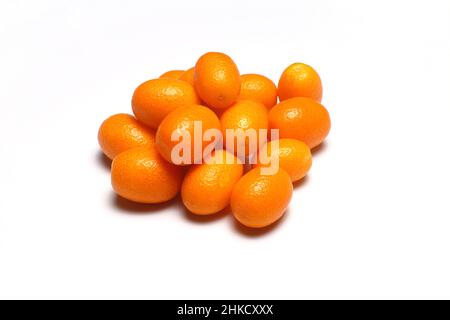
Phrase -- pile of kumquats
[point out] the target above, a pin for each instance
(218, 137)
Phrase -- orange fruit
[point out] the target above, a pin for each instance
(302, 119)
(188, 76)
(294, 157)
(259, 200)
(300, 80)
(154, 99)
(141, 175)
(258, 88)
(172, 74)
(182, 122)
(244, 114)
(207, 187)
(217, 80)
(121, 132)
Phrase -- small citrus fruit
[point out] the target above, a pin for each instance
(259, 200)
(154, 99)
(121, 132)
(141, 175)
(244, 114)
(294, 157)
(217, 80)
(302, 119)
(207, 187)
(258, 88)
(300, 80)
(182, 122)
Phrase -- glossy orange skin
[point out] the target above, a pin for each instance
(294, 157)
(302, 119)
(172, 74)
(258, 88)
(207, 187)
(217, 80)
(244, 114)
(141, 175)
(259, 200)
(122, 132)
(182, 120)
(154, 99)
(188, 76)
(300, 80)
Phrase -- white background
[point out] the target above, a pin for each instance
(372, 220)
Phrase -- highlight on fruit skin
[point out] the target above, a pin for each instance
(300, 80)
(258, 201)
(142, 175)
(217, 80)
(207, 187)
(122, 132)
(301, 118)
(155, 99)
